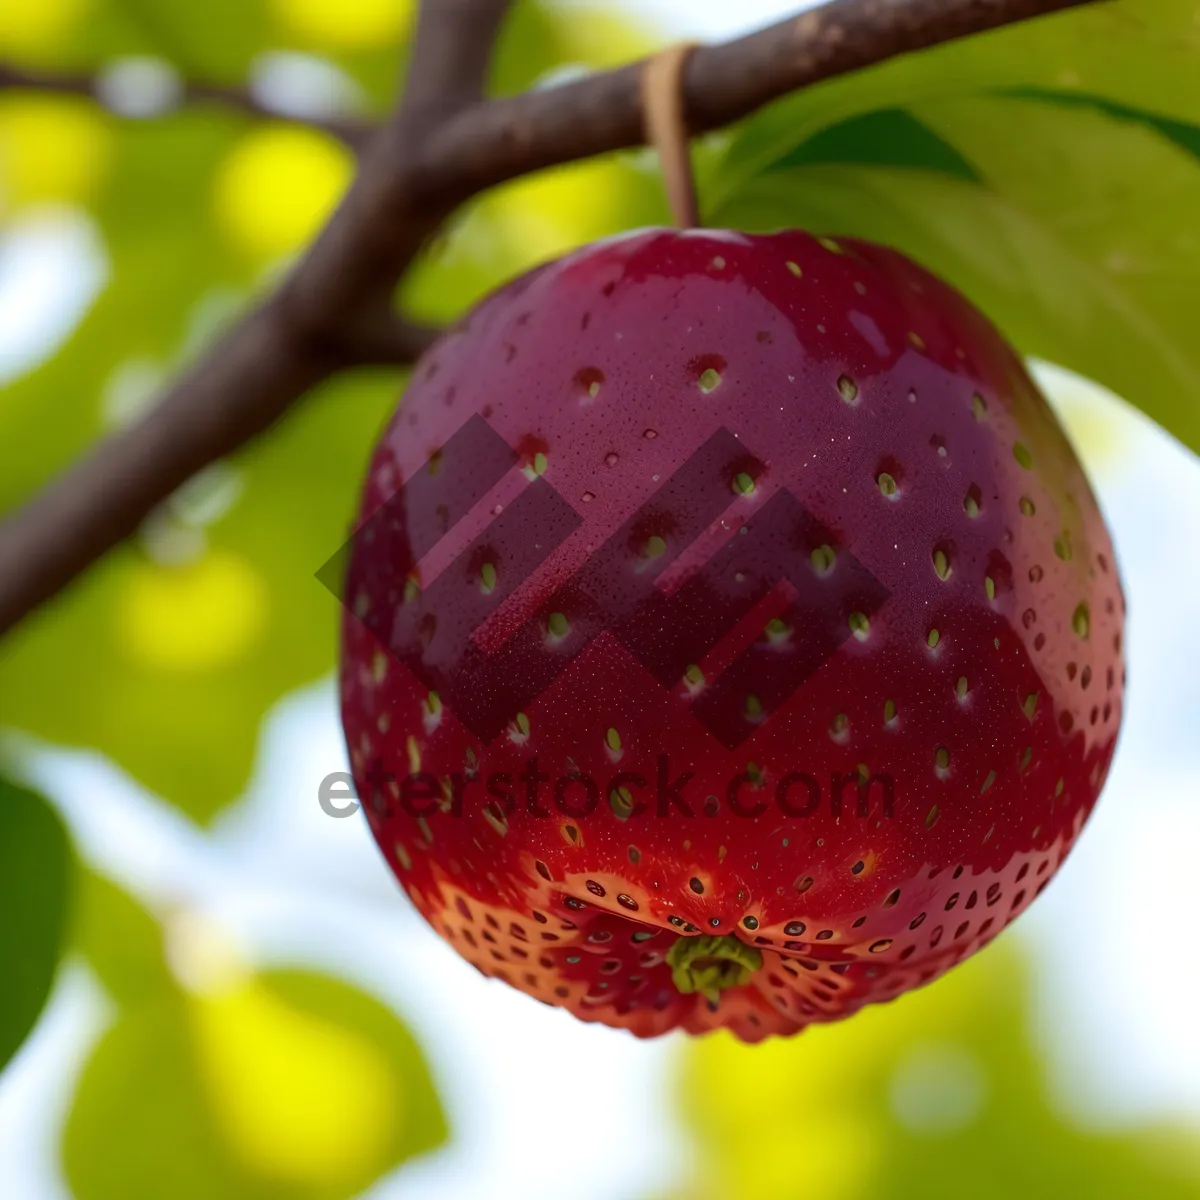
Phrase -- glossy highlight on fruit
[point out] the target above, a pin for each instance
(812, 618)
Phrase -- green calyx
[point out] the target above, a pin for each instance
(709, 964)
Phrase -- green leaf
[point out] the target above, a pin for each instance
(172, 666)
(284, 1085)
(35, 892)
(889, 137)
(122, 942)
(1049, 170)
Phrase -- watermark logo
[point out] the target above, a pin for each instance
(656, 791)
(432, 630)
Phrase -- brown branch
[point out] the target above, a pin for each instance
(442, 147)
(451, 56)
(353, 132)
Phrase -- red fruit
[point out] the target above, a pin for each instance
(889, 562)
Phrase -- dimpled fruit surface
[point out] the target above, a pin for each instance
(731, 635)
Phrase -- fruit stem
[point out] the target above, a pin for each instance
(666, 130)
(711, 963)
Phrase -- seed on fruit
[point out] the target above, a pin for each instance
(823, 558)
(1081, 621)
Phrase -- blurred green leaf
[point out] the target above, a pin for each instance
(122, 942)
(282, 1085)
(35, 895)
(1050, 170)
(939, 1094)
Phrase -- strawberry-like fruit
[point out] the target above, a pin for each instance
(732, 637)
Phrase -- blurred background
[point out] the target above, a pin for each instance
(247, 1006)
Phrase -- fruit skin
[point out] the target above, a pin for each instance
(899, 418)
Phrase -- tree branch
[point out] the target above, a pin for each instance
(451, 56)
(353, 132)
(443, 146)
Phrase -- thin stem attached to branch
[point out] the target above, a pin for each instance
(443, 146)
